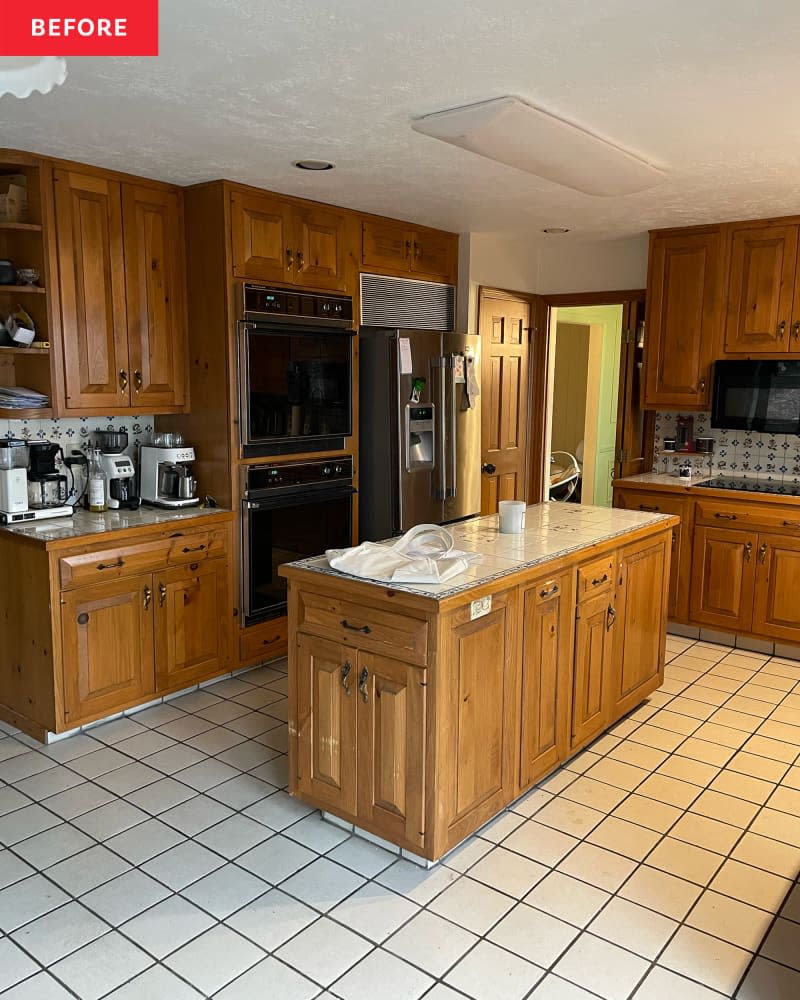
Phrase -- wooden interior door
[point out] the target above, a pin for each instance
(635, 425)
(548, 609)
(107, 635)
(153, 233)
(261, 235)
(761, 289)
(594, 649)
(504, 327)
(391, 747)
(776, 610)
(91, 275)
(320, 248)
(723, 577)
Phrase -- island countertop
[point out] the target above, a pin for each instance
(552, 531)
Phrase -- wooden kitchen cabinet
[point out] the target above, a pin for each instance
(723, 577)
(684, 287)
(594, 650)
(776, 609)
(121, 278)
(403, 249)
(763, 301)
(547, 610)
(277, 240)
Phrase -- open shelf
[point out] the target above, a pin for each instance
(24, 289)
(29, 352)
(43, 413)
(21, 227)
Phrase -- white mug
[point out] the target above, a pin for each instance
(512, 516)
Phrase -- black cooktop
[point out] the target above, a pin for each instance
(752, 486)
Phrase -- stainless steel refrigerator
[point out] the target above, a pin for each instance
(419, 429)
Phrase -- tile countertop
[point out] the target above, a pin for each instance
(552, 530)
(84, 524)
(687, 487)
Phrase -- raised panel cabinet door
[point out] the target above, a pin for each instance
(594, 649)
(640, 629)
(319, 250)
(262, 238)
(327, 699)
(391, 747)
(194, 622)
(434, 255)
(548, 611)
(107, 637)
(683, 315)
(386, 246)
(91, 277)
(760, 289)
(154, 278)
(723, 577)
(776, 609)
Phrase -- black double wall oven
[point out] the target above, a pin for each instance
(295, 372)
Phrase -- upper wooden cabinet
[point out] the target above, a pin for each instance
(763, 295)
(683, 309)
(283, 241)
(121, 279)
(406, 250)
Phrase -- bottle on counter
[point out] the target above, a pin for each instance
(97, 484)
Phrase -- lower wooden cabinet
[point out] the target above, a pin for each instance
(723, 577)
(776, 609)
(594, 650)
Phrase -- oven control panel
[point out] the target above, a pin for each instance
(262, 479)
(261, 301)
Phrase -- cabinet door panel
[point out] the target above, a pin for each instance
(548, 609)
(91, 275)
(391, 747)
(683, 309)
(723, 571)
(760, 290)
(434, 255)
(319, 249)
(386, 245)
(261, 231)
(194, 622)
(593, 655)
(326, 723)
(151, 221)
(640, 633)
(776, 610)
(107, 634)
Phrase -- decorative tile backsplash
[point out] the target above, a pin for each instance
(736, 453)
(77, 433)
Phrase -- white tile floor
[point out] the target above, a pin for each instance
(159, 856)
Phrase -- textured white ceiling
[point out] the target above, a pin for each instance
(707, 89)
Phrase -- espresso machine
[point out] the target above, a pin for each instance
(166, 476)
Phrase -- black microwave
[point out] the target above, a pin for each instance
(757, 396)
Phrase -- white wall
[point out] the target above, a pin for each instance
(496, 262)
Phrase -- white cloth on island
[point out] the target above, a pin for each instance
(425, 554)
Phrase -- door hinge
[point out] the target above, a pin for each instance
(577, 613)
(622, 455)
(628, 335)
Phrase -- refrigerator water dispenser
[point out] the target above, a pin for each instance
(420, 436)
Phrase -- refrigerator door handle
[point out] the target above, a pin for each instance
(440, 489)
(452, 479)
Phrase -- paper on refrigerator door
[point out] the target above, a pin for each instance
(405, 356)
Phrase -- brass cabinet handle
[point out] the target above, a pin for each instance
(83, 618)
(289, 259)
(345, 673)
(796, 330)
(762, 553)
(611, 617)
(148, 595)
(725, 517)
(598, 580)
(196, 548)
(123, 380)
(781, 329)
(551, 592)
(417, 250)
(115, 565)
(702, 385)
(365, 629)
(748, 551)
(791, 524)
(301, 260)
(162, 594)
(674, 537)
(362, 684)
(654, 508)
(138, 381)
(408, 248)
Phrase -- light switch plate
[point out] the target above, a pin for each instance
(479, 608)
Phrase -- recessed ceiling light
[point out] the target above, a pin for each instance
(555, 230)
(313, 165)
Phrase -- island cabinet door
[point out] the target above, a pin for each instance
(640, 628)
(548, 609)
(594, 651)
(391, 748)
(723, 578)
(776, 609)
(476, 721)
(107, 636)
(327, 696)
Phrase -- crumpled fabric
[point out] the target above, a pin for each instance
(425, 554)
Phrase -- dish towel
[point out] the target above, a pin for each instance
(425, 554)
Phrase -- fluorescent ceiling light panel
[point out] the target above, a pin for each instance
(512, 132)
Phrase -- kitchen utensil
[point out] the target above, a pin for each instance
(111, 442)
(186, 487)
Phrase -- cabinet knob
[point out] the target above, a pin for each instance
(796, 330)
(362, 684)
(702, 385)
(138, 381)
(417, 250)
(611, 617)
(123, 380)
(762, 553)
(289, 259)
(748, 551)
(781, 329)
(83, 618)
(148, 596)
(162, 594)
(408, 248)
(345, 673)
(301, 260)
(489, 469)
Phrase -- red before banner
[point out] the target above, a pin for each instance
(79, 28)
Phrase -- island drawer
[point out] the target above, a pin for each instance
(747, 515)
(354, 624)
(92, 567)
(595, 577)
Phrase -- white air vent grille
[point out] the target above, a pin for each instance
(407, 304)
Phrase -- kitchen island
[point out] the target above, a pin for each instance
(417, 713)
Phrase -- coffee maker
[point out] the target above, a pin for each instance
(119, 470)
(166, 477)
(46, 487)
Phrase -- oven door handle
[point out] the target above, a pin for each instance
(294, 498)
